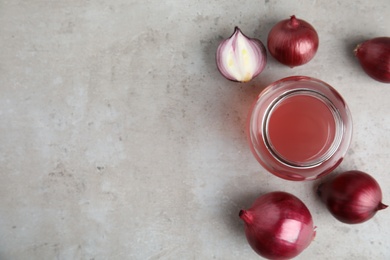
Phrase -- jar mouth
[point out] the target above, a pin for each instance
(302, 143)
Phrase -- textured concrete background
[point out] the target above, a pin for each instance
(120, 139)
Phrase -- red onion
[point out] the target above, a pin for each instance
(352, 197)
(278, 225)
(293, 42)
(240, 58)
(374, 57)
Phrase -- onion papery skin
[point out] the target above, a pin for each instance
(293, 42)
(240, 58)
(278, 225)
(374, 58)
(352, 197)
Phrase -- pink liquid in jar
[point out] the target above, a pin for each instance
(301, 128)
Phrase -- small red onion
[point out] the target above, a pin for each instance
(352, 197)
(240, 58)
(374, 57)
(278, 225)
(293, 42)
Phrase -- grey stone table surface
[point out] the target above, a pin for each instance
(119, 139)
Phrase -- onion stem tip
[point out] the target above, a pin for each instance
(293, 20)
(382, 206)
(245, 216)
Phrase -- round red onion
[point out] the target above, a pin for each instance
(374, 57)
(352, 197)
(293, 42)
(278, 225)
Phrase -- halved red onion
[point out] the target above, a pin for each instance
(240, 58)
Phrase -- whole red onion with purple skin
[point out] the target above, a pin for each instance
(278, 225)
(352, 197)
(293, 42)
(374, 57)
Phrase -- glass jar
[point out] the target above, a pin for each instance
(300, 128)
